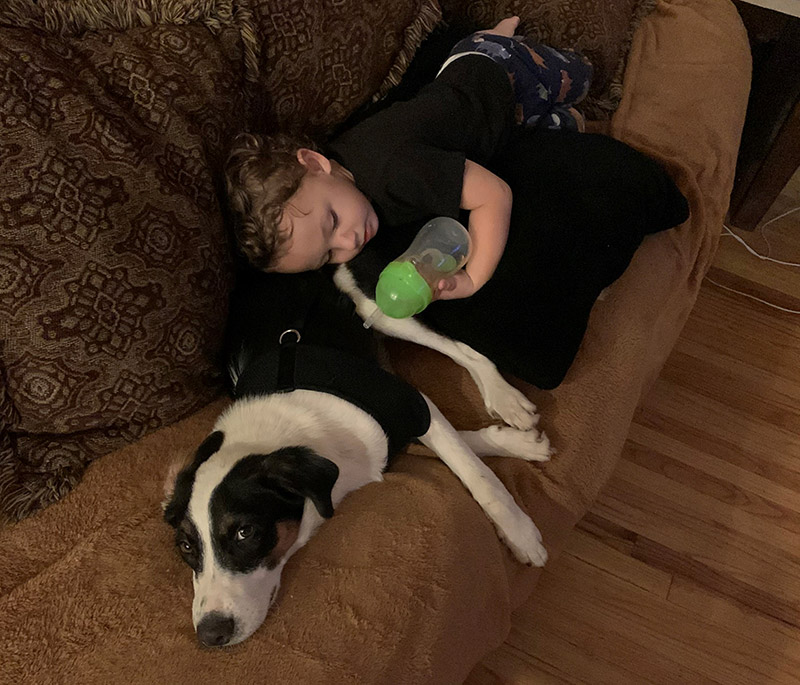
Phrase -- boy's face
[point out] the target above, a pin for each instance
(328, 220)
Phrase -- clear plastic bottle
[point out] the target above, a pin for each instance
(406, 285)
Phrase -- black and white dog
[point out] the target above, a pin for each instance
(315, 418)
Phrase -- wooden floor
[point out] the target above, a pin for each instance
(687, 568)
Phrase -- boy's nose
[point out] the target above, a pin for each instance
(348, 240)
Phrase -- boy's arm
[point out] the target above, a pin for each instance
(489, 199)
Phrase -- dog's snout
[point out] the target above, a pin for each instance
(215, 629)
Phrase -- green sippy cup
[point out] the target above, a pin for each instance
(406, 285)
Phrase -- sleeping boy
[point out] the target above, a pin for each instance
(299, 208)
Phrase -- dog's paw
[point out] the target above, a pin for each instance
(525, 541)
(530, 445)
(516, 529)
(509, 404)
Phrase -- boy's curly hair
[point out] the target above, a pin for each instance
(261, 174)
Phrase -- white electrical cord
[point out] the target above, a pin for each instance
(729, 232)
(753, 297)
(766, 258)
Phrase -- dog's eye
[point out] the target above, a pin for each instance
(244, 532)
(186, 547)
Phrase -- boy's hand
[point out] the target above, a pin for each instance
(455, 287)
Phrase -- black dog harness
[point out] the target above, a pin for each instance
(289, 362)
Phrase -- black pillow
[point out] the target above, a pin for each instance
(582, 205)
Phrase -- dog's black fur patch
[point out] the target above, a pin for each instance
(264, 305)
(257, 493)
(175, 511)
(335, 353)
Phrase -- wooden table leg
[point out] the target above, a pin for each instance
(770, 149)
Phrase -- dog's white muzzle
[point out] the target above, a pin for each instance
(229, 607)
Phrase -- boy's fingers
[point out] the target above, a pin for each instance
(444, 286)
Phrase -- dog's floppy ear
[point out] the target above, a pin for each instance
(302, 471)
(175, 467)
(179, 494)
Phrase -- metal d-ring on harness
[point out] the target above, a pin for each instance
(290, 330)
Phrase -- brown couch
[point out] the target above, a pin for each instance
(114, 270)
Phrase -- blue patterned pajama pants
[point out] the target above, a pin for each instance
(547, 82)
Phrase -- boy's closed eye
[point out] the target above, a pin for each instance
(328, 256)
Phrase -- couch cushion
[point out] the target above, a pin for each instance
(320, 61)
(600, 29)
(115, 260)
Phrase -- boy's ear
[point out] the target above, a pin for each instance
(314, 161)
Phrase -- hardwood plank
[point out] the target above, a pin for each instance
(623, 634)
(714, 428)
(748, 480)
(744, 329)
(763, 295)
(737, 372)
(732, 259)
(511, 665)
(703, 544)
(777, 637)
(594, 551)
(746, 388)
(755, 597)
(621, 539)
(589, 660)
(718, 499)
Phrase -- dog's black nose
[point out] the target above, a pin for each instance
(215, 629)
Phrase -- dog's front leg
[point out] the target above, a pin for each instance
(500, 398)
(513, 525)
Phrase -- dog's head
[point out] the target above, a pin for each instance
(238, 515)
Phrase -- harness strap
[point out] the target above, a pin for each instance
(290, 338)
(287, 357)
